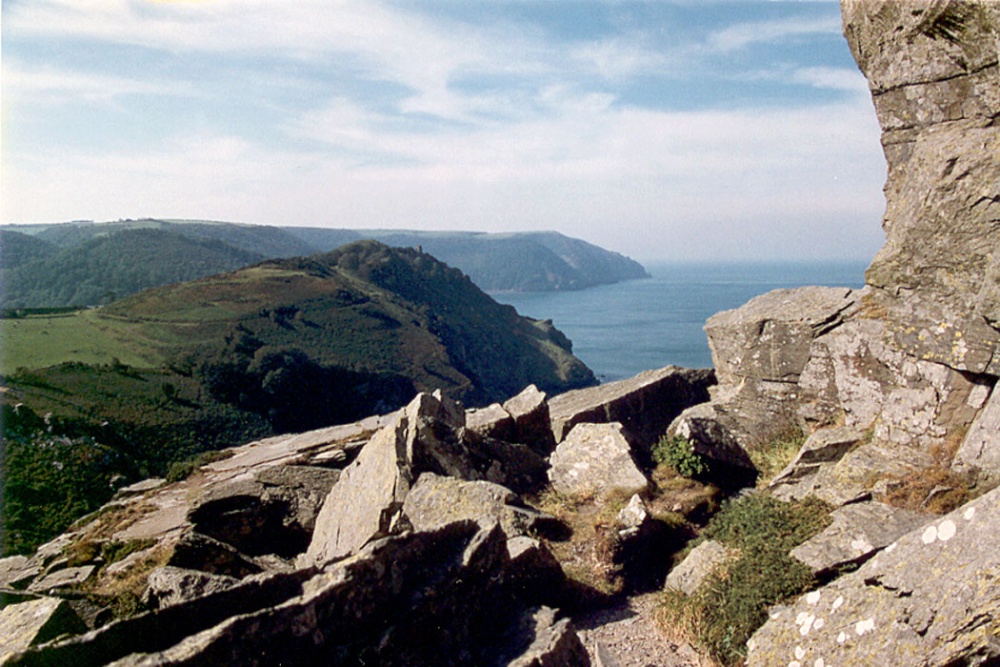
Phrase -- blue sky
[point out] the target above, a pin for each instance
(680, 130)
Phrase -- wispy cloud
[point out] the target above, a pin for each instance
(742, 35)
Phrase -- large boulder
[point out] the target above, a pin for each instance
(595, 459)
(644, 405)
(929, 599)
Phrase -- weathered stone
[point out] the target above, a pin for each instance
(543, 641)
(532, 420)
(979, 453)
(417, 599)
(194, 551)
(856, 533)
(18, 571)
(492, 421)
(172, 585)
(827, 445)
(632, 516)
(534, 574)
(769, 337)
(928, 599)
(932, 70)
(645, 405)
(595, 458)
(367, 500)
(696, 567)
(704, 427)
(436, 501)
(273, 512)
(35, 622)
(68, 577)
(140, 487)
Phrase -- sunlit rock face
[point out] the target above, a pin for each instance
(932, 70)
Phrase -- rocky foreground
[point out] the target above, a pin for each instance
(418, 538)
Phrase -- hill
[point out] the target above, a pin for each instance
(17, 249)
(281, 346)
(112, 265)
(495, 262)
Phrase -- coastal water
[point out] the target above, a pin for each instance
(623, 329)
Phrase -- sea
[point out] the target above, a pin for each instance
(623, 329)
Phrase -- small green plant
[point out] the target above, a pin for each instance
(114, 551)
(732, 603)
(677, 452)
(771, 456)
(183, 469)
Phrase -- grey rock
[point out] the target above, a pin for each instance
(827, 445)
(366, 500)
(979, 453)
(928, 599)
(140, 487)
(436, 501)
(492, 421)
(857, 532)
(595, 458)
(532, 420)
(696, 567)
(273, 512)
(932, 69)
(172, 585)
(645, 404)
(194, 551)
(769, 337)
(69, 577)
(413, 599)
(18, 571)
(705, 428)
(550, 642)
(35, 622)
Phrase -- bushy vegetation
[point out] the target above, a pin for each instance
(677, 452)
(732, 603)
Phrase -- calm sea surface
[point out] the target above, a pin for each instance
(621, 330)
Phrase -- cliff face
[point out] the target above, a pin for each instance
(932, 70)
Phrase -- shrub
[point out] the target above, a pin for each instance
(678, 453)
(732, 603)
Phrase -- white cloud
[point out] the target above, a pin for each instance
(742, 35)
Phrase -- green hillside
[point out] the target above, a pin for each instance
(281, 346)
(109, 266)
(90, 264)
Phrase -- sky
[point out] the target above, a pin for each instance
(664, 129)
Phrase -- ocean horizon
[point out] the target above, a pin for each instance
(623, 329)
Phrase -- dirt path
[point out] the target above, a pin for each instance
(626, 636)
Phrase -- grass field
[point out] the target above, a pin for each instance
(39, 341)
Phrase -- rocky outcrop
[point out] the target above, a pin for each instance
(932, 70)
(644, 405)
(696, 567)
(928, 599)
(36, 622)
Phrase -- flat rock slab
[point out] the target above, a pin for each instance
(645, 404)
(34, 622)
(929, 599)
(857, 532)
(18, 571)
(532, 420)
(595, 458)
(694, 569)
(69, 577)
(768, 338)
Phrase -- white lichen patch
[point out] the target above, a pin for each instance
(807, 624)
(813, 598)
(969, 514)
(818, 624)
(842, 637)
(799, 653)
(930, 535)
(863, 627)
(838, 603)
(889, 549)
(946, 530)
(819, 663)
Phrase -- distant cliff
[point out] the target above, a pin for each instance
(87, 264)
